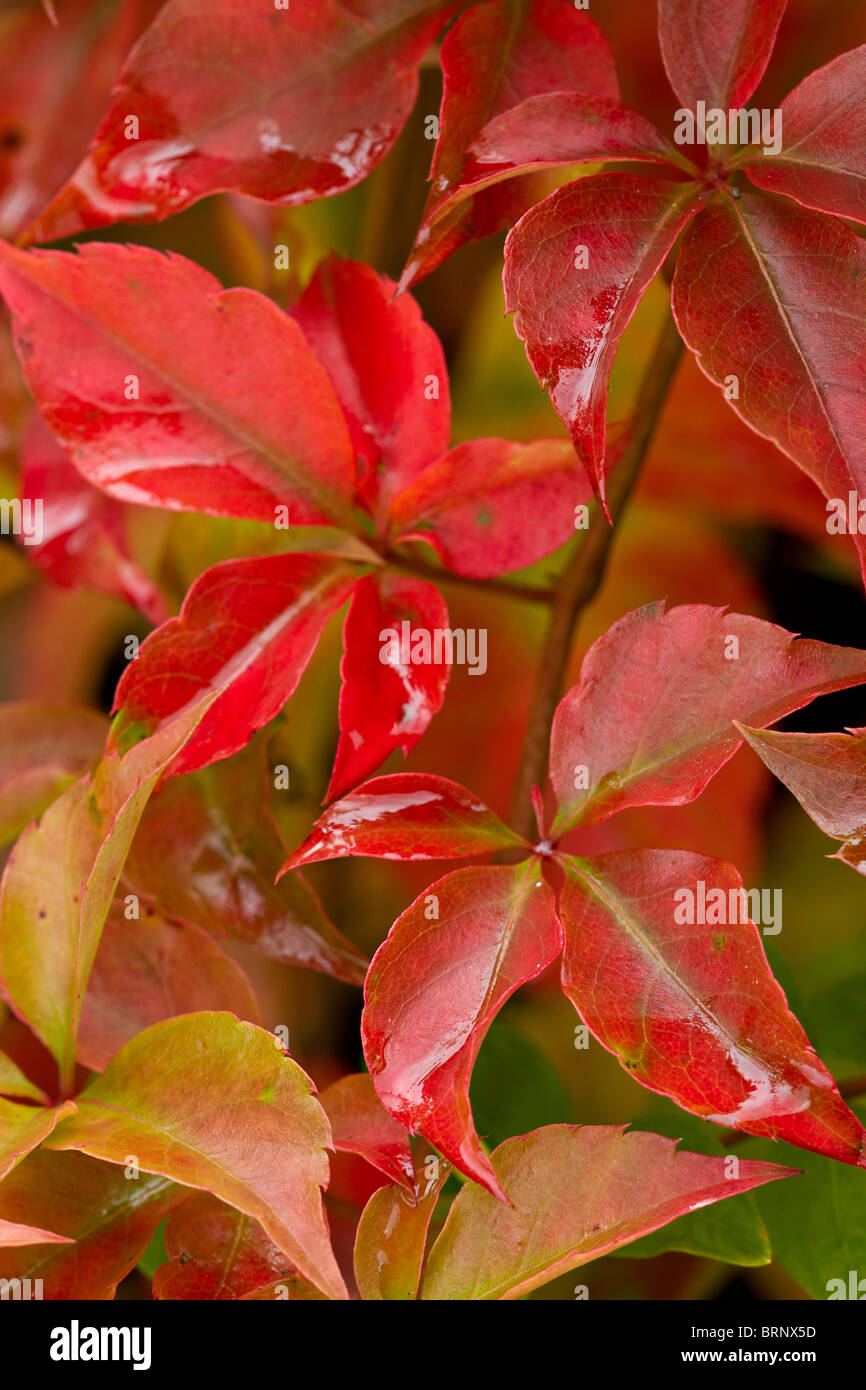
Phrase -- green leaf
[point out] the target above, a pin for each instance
(818, 1227)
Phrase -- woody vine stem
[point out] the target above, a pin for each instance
(584, 572)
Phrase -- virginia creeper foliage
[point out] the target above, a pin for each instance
(285, 507)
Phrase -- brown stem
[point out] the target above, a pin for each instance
(584, 572)
(529, 593)
(853, 1088)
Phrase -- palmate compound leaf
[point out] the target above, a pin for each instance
(788, 278)
(822, 162)
(245, 633)
(109, 1216)
(667, 970)
(282, 104)
(650, 721)
(207, 852)
(51, 919)
(434, 987)
(408, 815)
(496, 56)
(827, 774)
(45, 747)
(717, 55)
(214, 405)
(216, 1104)
(577, 1192)
(576, 268)
(387, 701)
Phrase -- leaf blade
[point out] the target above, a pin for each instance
(168, 1099)
(490, 1251)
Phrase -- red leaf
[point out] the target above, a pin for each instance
(822, 163)
(207, 852)
(360, 1124)
(148, 970)
(578, 1192)
(651, 718)
(83, 542)
(217, 1253)
(827, 774)
(472, 504)
(284, 105)
(562, 128)
(717, 54)
(493, 58)
(619, 228)
(409, 815)
(434, 987)
(787, 278)
(14, 1083)
(387, 704)
(247, 630)
(178, 409)
(691, 1009)
(388, 369)
(109, 1218)
(54, 88)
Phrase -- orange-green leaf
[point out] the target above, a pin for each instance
(23, 1128)
(60, 880)
(578, 1192)
(392, 1235)
(215, 1104)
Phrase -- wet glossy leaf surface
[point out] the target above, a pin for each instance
(690, 1008)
